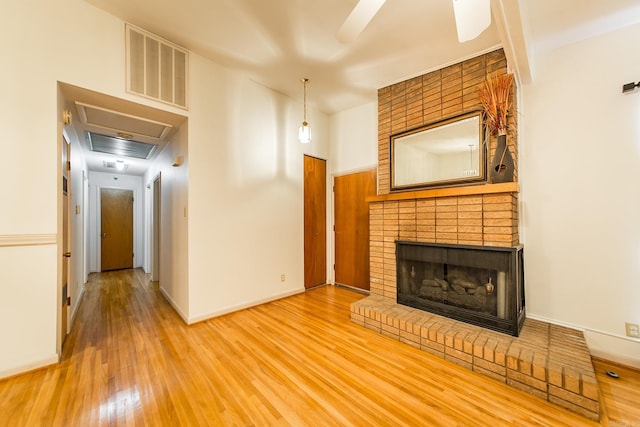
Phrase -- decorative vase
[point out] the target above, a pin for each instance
(502, 167)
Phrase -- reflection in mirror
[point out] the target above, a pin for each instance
(450, 152)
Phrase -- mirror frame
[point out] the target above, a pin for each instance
(453, 182)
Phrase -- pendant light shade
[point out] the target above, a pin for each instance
(304, 133)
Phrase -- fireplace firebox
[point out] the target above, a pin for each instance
(481, 285)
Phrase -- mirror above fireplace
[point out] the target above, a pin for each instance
(447, 153)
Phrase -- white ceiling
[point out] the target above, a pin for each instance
(277, 42)
(561, 22)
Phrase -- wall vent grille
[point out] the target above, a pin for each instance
(156, 68)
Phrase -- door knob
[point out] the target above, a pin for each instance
(67, 254)
(104, 235)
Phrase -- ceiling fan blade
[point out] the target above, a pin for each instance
(472, 18)
(358, 19)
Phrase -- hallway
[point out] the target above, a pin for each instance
(130, 360)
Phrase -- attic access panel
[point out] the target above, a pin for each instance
(120, 147)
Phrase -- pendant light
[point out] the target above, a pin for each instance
(304, 133)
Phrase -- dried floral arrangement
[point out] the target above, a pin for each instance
(496, 102)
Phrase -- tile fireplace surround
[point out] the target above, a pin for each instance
(547, 361)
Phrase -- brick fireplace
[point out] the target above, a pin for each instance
(548, 361)
(485, 215)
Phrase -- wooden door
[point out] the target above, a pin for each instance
(315, 222)
(66, 238)
(117, 229)
(352, 228)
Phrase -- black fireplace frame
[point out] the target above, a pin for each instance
(515, 309)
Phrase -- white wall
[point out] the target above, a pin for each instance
(98, 181)
(31, 126)
(579, 175)
(246, 192)
(174, 230)
(245, 174)
(27, 342)
(354, 139)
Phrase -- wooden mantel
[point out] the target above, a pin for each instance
(470, 190)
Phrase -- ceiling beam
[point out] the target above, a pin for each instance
(508, 19)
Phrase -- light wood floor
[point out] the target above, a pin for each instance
(299, 361)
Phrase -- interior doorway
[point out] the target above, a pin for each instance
(116, 229)
(315, 222)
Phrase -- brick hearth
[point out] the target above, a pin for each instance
(548, 361)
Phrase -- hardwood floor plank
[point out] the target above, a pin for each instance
(299, 361)
(621, 396)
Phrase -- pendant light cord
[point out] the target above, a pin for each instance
(304, 133)
(304, 102)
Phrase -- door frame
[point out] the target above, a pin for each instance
(96, 254)
(74, 229)
(156, 218)
(84, 221)
(65, 237)
(120, 204)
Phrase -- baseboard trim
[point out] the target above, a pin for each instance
(75, 310)
(173, 304)
(622, 350)
(27, 367)
(231, 309)
(615, 358)
(604, 345)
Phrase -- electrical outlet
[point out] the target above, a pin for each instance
(633, 330)
(282, 280)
